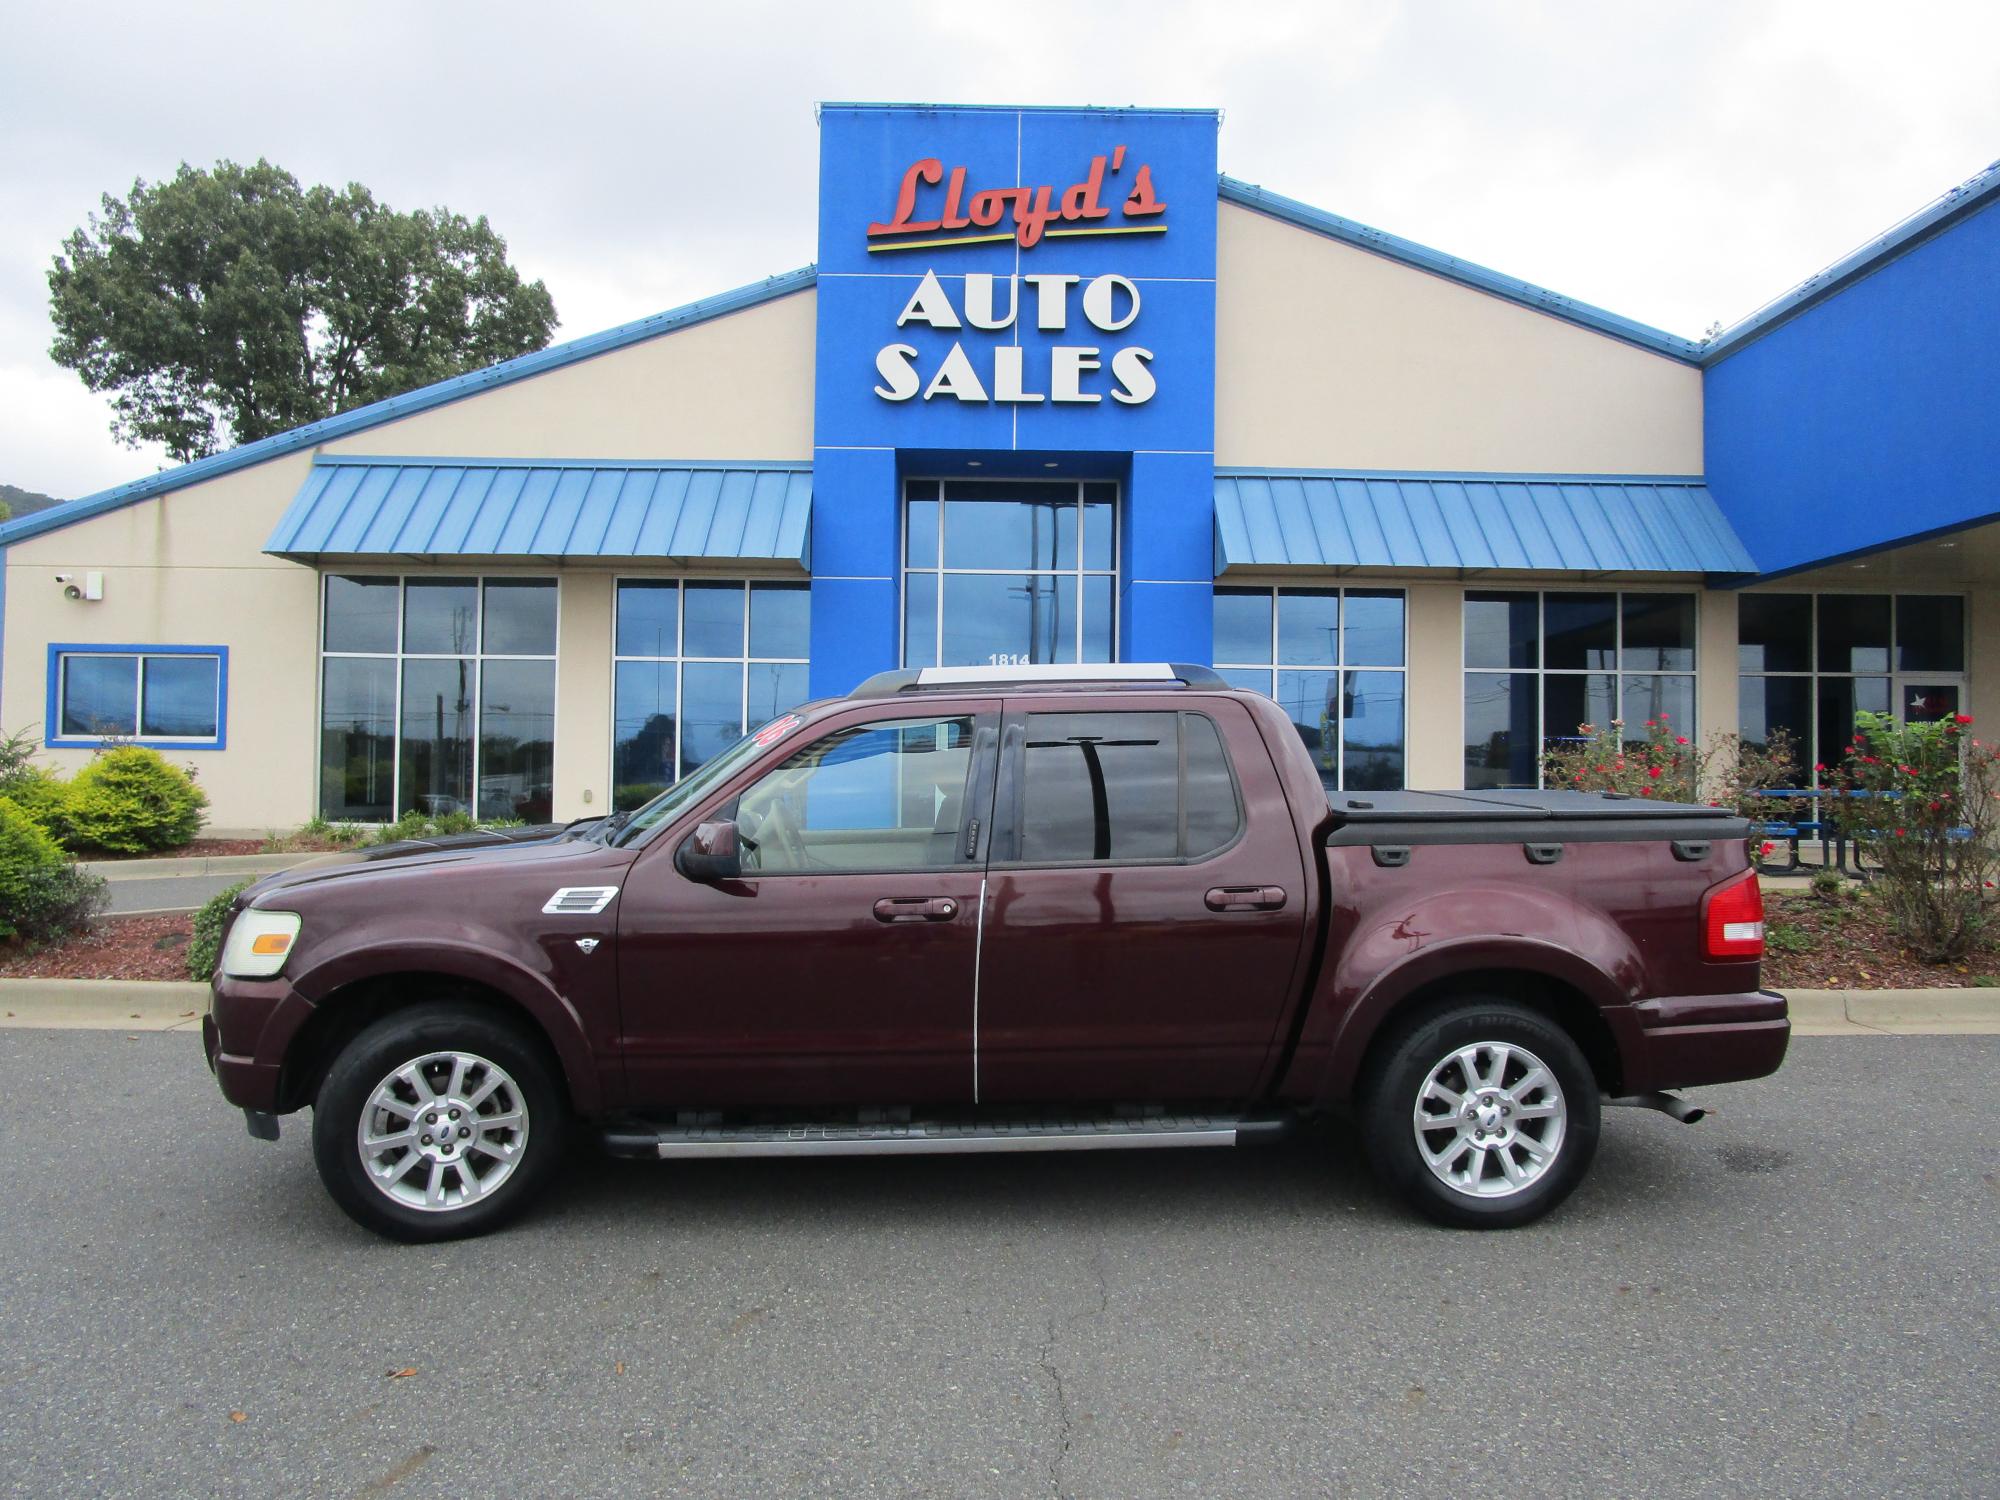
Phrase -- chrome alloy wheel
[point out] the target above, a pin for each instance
(1490, 1119)
(443, 1131)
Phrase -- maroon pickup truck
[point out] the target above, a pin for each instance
(1001, 910)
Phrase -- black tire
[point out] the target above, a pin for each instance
(1390, 1098)
(409, 1035)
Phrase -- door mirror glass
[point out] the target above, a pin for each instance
(711, 853)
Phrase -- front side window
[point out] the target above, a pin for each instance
(437, 695)
(883, 796)
(1334, 659)
(169, 696)
(1808, 663)
(1538, 666)
(1008, 573)
(699, 661)
(1125, 788)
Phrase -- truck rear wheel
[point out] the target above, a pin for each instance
(437, 1122)
(1482, 1114)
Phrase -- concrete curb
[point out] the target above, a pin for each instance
(245, 865)
(1964, 1012)
(102, 1004)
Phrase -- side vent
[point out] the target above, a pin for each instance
(579, 900)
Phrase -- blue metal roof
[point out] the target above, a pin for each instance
(1464, 272)
(1544, 522)
(423, 399)
(436, 507)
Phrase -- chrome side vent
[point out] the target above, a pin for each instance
(579, 900)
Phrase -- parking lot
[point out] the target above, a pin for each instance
(1796, 1296)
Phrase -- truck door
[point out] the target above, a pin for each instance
(1145, 907)
(838, 969)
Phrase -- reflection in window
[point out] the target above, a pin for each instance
(1541, 664)
(698, 663)
(437, 695)
(1302, 646)
(1110, 787)
(1008, 573)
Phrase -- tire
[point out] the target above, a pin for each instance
(1505, 1151)
(464, 1175)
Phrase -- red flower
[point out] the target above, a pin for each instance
(1654, 773)
(1764, 849)
(1899, 833)
(1664, 717)
(1645, 791)
(1819, 765)
(1680, 739)
(1961, 718)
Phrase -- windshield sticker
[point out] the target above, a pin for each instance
(776, 730)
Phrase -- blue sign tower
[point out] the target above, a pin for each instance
(1013, 292)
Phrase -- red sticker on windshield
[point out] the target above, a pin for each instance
(776, 730)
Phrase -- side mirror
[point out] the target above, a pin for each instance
(710, 853)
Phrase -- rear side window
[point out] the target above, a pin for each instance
(1125, 787)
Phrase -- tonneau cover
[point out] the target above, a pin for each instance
(1368, 816)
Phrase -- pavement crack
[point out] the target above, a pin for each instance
(1045, 1362)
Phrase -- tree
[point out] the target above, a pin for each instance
(221, 307)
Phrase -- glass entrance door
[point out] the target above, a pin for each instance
(1004, 572)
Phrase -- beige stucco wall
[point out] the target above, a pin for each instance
(1436, 688)
(735, 387)
(1330, 357)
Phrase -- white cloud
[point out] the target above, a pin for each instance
(1675, 163)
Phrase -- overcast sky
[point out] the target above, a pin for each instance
(1676, 162)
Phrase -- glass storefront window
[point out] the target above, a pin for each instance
(1541, 664)
(699, 662)
(1302, 646)
(437, 695)
(1810, 662)
(1008, 572)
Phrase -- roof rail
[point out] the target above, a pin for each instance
(1110, 674)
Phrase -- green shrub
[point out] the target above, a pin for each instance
(43, 895)
(15, 752)
(417, 825)
(130, 800)
(1923, 800)
(204, 949)
(44, 797)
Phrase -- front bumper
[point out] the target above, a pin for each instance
(249, 1027)
(1682, 1041)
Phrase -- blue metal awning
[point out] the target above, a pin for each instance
(427, 507)
(1540, 523)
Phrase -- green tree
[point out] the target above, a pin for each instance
(221, 307)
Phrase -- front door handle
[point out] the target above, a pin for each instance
(915, 909)
(1246, 898)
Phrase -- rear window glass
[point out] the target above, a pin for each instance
(1112, 787)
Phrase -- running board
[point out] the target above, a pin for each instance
(939, 1137)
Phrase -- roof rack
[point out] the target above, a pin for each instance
(1110, 674)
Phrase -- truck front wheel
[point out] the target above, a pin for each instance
(1483, 1114)
(437, 1122)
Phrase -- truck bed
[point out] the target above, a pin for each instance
(1498, 816)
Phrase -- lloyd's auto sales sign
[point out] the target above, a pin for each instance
(1090, 348)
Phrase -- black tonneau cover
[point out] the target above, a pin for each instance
(1493, 816)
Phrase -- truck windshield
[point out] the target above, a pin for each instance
(669, 804)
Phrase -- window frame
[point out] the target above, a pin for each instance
(1811, 752)
(58, 651)
(1010, 803)
(1541, 671)
(681, 660)
(478, 656)
(1340, 668)
(1072, 576)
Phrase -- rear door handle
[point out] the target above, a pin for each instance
(915, 909)
(1246, 898)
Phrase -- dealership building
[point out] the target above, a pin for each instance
(1057, 391)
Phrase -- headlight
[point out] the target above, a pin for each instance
(259, 943)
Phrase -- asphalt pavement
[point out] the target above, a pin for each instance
(1797, 1296)
(167, 893)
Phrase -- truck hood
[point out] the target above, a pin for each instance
(465, 854)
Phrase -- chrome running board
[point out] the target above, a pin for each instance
(938, 1137)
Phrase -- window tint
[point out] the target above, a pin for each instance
(520, 617)
(1774, 633)
(1659, 633)
(1930, 633)
(99, 695)
(361, 613)
(886, 796)
(1213, 815)
(440, 616)
(1853, 633)
(1502, 630)
(1111, 787)
(178, 700)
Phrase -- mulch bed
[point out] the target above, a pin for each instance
(117, 948)
(197, 849)
(1849, 947)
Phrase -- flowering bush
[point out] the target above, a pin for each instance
(1667, 766)
(1919, 799)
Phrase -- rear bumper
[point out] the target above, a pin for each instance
(249, 1025)
(1672, 1042)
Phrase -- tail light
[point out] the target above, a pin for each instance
(1732, 919)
